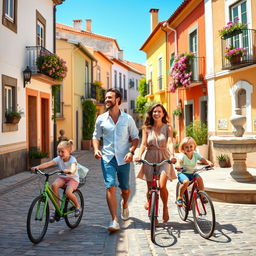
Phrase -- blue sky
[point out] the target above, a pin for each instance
(126, 21)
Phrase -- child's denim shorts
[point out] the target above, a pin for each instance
(186, 176)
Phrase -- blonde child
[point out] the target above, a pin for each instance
(68, 164)
(187, 160)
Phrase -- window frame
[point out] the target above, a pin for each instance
(8, 82)
(40, 19)
(10, 22)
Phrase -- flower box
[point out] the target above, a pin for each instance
(234, 54)
(12, 120)
(232, 29)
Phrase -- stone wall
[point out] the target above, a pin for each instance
(13, 163)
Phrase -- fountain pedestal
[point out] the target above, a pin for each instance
(239, 172)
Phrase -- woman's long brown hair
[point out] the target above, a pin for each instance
(149, 121)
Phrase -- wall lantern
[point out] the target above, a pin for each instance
(27, 75)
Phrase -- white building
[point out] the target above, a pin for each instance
(26, 32)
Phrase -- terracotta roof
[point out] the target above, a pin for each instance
(178, 10)
(60, 26)
(152, 34)
(104, 56)
(58, 1)
(139, 67)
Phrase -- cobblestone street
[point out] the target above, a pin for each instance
(234, 234)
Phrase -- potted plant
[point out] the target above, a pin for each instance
(177, 112)
(36, 157)
(223, 160)
(89, 115)
(52, 66)
(181, 71)
(234, 54)
(199, 132)
(232, 29)
(13, 116)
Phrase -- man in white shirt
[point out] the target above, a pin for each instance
(120, 139)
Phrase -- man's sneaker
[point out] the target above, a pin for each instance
(113, 226)
(124, 212)
(179, 201)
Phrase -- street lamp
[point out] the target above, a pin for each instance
(27, 75)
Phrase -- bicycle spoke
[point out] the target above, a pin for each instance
(204, 215)
(37, 219)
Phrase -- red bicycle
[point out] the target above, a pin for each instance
(203, 213)
(153, 198)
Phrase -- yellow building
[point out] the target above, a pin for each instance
(156, 65)
(231, 84)
(75, 86)
(102, 74)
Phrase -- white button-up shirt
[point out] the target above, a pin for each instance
(115, 136)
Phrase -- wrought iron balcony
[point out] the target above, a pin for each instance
(33, 52)
(245, 39)
(90, 91)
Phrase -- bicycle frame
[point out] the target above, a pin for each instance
(153, 187)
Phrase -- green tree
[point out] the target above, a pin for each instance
(141, 100)
(89, 115)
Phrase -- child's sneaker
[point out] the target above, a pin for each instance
(179, 201)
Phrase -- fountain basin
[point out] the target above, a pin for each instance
(231, 144)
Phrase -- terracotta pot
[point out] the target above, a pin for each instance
(235, 60)
(223, 163)
(12, 120)
(86, 144)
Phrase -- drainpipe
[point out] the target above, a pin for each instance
(54, 51)
(166, 26)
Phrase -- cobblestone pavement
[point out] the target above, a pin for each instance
(234, 234)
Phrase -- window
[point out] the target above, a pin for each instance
(193, 47)
(120, 80)
(9, 17)
(40, 29)
(115, 78)
(131, 82)
(137, 84)
(124, 78)
(239, 11)
(9, 102)
(98, 74)
(172, 59)
(59, 102)
(132, 104)
(108, 80)
(160, 73)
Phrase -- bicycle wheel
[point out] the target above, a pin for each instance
(204, 215)
(153, 201)
(37, 219)
(69, 210)
(182, 210)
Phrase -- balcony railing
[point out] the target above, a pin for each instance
(246, 39)
(90, 91)
(33, 52)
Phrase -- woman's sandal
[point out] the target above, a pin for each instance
(204, 199)
(77, 212)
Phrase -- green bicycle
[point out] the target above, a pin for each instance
(39, 211)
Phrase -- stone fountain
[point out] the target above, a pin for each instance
(238, 185)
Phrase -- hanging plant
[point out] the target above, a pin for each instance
(181, 71)
(52, 66)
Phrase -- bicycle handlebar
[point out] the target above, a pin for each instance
(46, 173)
(155, 164)
(204, 168)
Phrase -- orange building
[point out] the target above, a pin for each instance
(186, 34)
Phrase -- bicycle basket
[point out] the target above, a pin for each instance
(82, 172)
